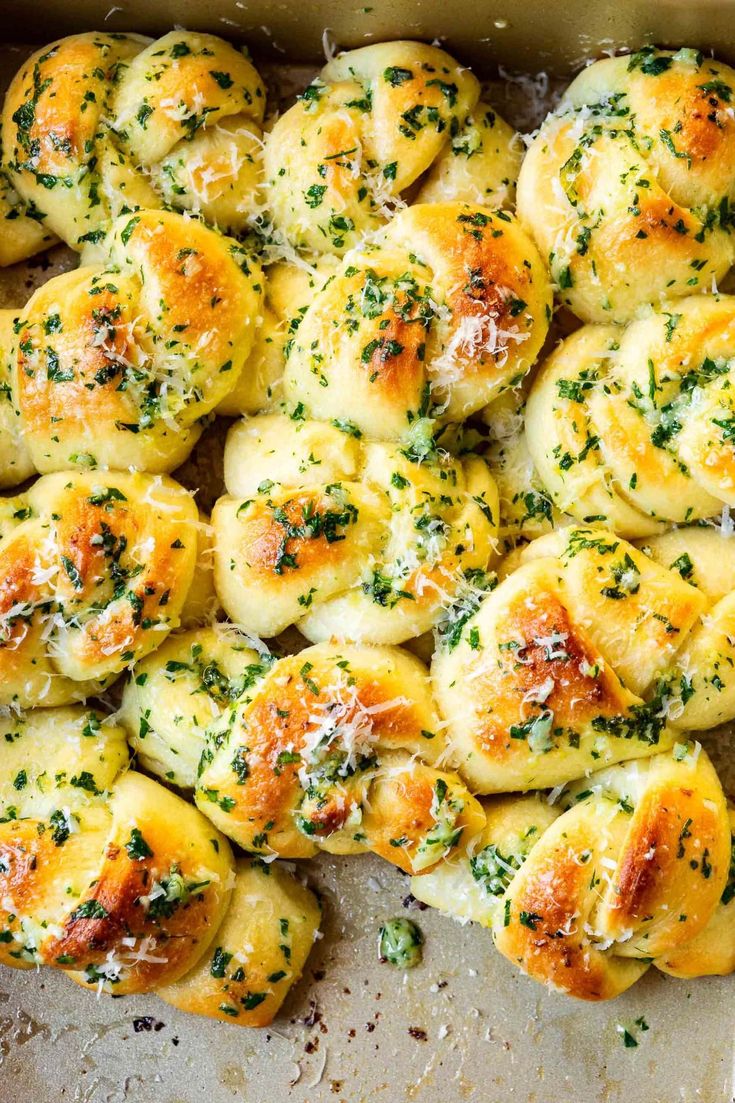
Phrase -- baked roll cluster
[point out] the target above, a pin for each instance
(633, 426)
(95, 882)
(411, 464)
(367, 541)
(376, 123)
(338, 748)
(630, 868)
(628, 186)
(96, 126)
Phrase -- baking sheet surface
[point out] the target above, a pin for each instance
(462, 1026)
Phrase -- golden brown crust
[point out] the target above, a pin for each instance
(579, 691)
(367, 128)
(117, 364)
(549, 902)
(444, 309)
(417, 815)
(564, 659)
(94, 881)
(621, 185)
(96, 125)
(351, 540)
(95, 576)
(634, 869)
(170, 902)
(712, 951)
(316, 756)
(268, 540)
(48, 138)
(633, 425)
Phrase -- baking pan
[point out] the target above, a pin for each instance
(464, 1025)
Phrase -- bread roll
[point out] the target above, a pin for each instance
(337, 748)
(632, 871)
(127, 888)
(364, 131)
(93, 575)
(258, 953)
(627, 188)
(362, 541)
(94, 879)
(96, 126)
(632, 427)
(444, 309)
(118, 364)
(629, 867)
(576, 661)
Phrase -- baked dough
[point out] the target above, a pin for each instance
(628, 867)
(22, 226)
(95, 570)
(364, 510)
(257, 954)
(627, 188)
(96, 126)
(526, 508)
(631, 872)
(127, 888)
(471, 884)
(288, 290)
(700, 685)
(365, 130)
(479, 164)
(361, 541)
(588, 653)
(633, 427)
(117, 364)
(712, 951)
(15, 460)
(177, 692)
(442, 310)
(337, 748)
(88, 843)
